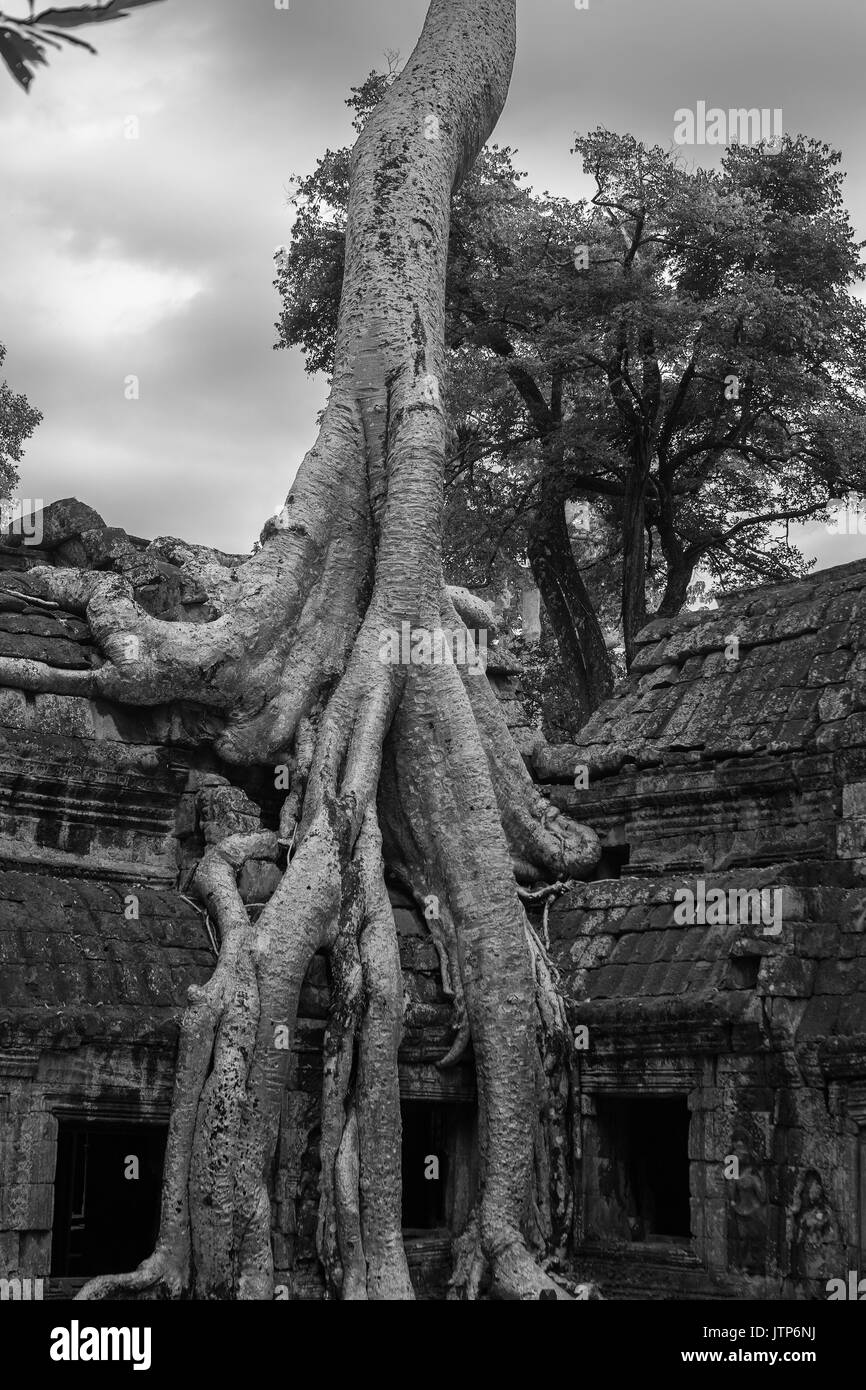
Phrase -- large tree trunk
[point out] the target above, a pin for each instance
(419, 753)
(634, 606)
(680, 560)
(676, 591)
(582, 648)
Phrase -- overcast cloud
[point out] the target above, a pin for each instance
(153, 257)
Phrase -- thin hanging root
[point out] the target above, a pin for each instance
(546, 896)
(548, 998)
(553, 1189)
(540, 1238)
(28, 598)
(555, 1133)
(444, 943)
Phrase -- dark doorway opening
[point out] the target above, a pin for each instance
(644, 1146)
(425, 1165)
(104, 1220)
(440, 1165)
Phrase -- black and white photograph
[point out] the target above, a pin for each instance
(432, 674)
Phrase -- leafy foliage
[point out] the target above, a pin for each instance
(18, 420)
(696, 379)
(23, 42)
(544, 687)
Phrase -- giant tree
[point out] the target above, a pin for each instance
(682, 350)
(409, 763)
(494, 224)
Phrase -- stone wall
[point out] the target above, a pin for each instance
(737, 766)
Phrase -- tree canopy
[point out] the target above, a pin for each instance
(677, 359)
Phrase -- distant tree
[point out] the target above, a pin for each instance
(18, 420)
(24, 42)
(720, 331)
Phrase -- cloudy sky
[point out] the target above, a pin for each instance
(152, 257)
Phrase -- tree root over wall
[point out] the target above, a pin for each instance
(412, 765)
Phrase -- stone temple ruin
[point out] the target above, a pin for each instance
(719, 1127)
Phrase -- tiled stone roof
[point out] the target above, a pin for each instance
(798, 681)
(625, 962)
(75, 958)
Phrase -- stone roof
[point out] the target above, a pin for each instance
(90, 800)
(86, 959)
(734, 755)
(797, 681)
(628, 966)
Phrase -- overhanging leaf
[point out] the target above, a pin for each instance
(20, 54)
(67, 38)
(89, 14)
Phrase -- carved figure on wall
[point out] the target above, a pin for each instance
(747, 1208)
(814, 1230)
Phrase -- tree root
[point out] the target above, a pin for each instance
(378, 1087)
(161, 1276)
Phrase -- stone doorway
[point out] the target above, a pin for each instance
(644, 1167)
(106, 1196)
(439, 1165)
